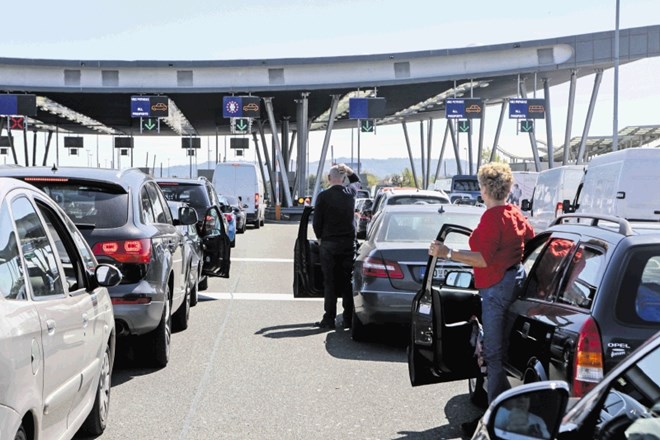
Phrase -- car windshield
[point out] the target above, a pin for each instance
(86, 203)
(423, 226)
(194, 195)
(415, 200)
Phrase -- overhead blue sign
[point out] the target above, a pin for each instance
(241, 107)
(469, 108)
(526, 108)
(150, 106)
(366, 108)
(25, 105)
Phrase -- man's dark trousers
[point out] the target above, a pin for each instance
(337, 267)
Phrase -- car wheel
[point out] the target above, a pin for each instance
(478, 395)
(21, 434)
(181, 316)
(161, 338)
(97, 419)
(359, 331)
(241, 229)
(257, 224)
(232, 243)
(203, 284)
(262, 222)
(193, 291)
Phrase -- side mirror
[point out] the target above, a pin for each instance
(532, 410)
(463, 280)
(525, 205)
(107, 275)
(567, 207)
(187, 215)
(244, 206)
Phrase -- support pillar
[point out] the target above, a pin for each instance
(532, 136)
(302, 127)
(422, 162)
(442, 151)
(278, 151)
(269, 166)
(50, 136)
(428, 154)
(324, 149)
(569, 117)
(261, 165)
(548, 124)
(412, 163)
(452, 132)
(590, 114)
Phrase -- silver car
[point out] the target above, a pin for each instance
(57, 328)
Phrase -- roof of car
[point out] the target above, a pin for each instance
(126, 178)
(181, 180)
(7, 184)
(435, 208)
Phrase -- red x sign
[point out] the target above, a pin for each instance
(16, 123)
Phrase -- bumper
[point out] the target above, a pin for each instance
(132, 317)
(383, 307)
(10, 420)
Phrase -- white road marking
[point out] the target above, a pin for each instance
(264, 260)
(255, 296)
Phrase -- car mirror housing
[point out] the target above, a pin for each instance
(525, 205)
(187, 216)
(461, 279)
(533, 410)
(107, 275)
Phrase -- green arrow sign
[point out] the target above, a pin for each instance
(463, 126)
(527, 126)
(149, 124)
(367, 126)
(241, 125)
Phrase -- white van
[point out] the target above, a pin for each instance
(243, 179)
(553, 186)
(523, 186)
(623, 183)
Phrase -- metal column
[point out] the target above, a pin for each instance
(532, 135)
(269, 166)
(452, 131)
(261, 164)
(482, 125)
(302, 127)
(442, 151)
(590, 113)
(421, 142)
(548, 124)
(50, 136)
(285, 143)
(428, 155)
(569, 117)
(412, 163)
(324, 150)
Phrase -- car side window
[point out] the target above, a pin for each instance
(12, 280)
(146, 208)
(38, 252)
(160, 213)
(544, 276)
(639, 293)
(582, 281)
(66, 250)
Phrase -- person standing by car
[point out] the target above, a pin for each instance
(334, 226)
(497, 246)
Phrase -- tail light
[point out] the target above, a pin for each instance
(208, 224)
(256, 200)
(588, 359)
(379, 268)
(125, 251)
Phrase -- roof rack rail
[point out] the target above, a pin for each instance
(624, 226)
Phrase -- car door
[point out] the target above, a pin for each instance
(534, 318)
(60, 314)
(307, 275)
(217, 247)
(441, 323)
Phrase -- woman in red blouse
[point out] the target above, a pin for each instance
(497, 245)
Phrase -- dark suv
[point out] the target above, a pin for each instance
(127, 223)
(591, 297)
(201, 195)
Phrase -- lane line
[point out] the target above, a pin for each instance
(264, 260)
(255, 296)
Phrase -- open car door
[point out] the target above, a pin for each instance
(217, 246)
(307, 276)
(442, 326)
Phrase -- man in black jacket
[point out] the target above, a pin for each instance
(334, 226)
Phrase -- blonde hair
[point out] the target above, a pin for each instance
(495, 179)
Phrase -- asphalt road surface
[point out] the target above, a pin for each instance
(252, 366)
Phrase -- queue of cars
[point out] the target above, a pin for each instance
(87, 256)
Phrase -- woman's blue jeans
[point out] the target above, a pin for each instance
(495, 301)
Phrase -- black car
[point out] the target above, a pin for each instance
(212, 223)
(591, 297)
(193, 251)
(126, 221)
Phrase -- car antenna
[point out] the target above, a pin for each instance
(54, 167)
(441, 210)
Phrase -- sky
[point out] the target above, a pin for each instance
(221, 30)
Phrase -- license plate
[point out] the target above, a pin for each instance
(438, 273)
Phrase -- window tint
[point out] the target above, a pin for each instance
(424, 227)
(147, 210)
(12, 281)
(104, 206)
(412, 200)
(545, 274)
(195, 195)
(583, 272)
(40, 257)
(639, 294)
(161, 213)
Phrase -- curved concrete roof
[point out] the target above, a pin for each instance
(414, 83)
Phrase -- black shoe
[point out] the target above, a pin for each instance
(468, 428)
(347, 322)
(325, 324)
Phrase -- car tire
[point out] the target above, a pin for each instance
(257, 224)
(161, 337)
(203, 284)
(262, 222)
(181, 316)
(21, 434)
(359, 331)
(97, 419)
(194, 297)
(232, 243)
(477, 393)
(241, 229)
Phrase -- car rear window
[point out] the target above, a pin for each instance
(195, 195)
(416, 200)
(639, 295)
(89, 203)
(424, 227)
